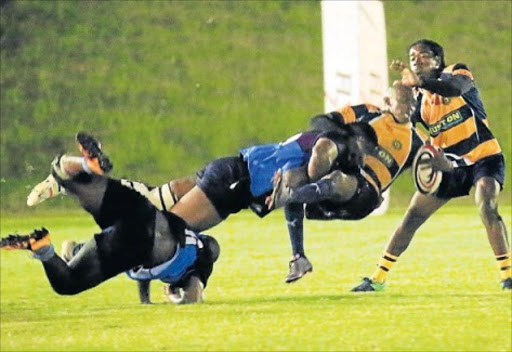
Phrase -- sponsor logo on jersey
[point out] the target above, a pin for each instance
(446, 123)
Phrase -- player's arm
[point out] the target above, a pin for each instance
(460, 82)
(323, 156)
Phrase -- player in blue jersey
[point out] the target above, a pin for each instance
(136, 238)
(450, 108)
(228, 185)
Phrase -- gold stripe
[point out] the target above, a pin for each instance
(380, 170)
(463, 72)
(348, 114)
(485, 149)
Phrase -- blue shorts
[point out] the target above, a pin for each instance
(458, 182)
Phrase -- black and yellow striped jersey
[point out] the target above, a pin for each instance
(457, 124)
(397, 146)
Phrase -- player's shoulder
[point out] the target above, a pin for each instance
(458, 68)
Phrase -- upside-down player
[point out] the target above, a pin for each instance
(136, 238)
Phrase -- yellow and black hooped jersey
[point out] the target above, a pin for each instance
(458, 124)
(398, 143)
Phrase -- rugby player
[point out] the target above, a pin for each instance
(136, 238)
(353, 197)
(450, 108)
(228, 185)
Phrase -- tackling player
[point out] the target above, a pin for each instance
(353, 197)
(449, 106)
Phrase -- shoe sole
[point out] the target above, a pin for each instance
(295, 278)
(15, 240)
(92, 147)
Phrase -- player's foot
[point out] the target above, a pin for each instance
(299, 266)
(44, 190)
(506, 284)
(173, 293)
(368, 286)
(90, 148)
(69, 249)
(193, 291)
(33, 241)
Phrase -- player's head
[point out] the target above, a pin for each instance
(425, 56)
(362, 139)
(400, 101)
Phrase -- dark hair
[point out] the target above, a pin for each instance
(364, 130)
(432, 45)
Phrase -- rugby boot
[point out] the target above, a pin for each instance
(506, 284)
(33, 241)
(299, 266)
(173, 293)
(69, 249)
(193, 291)
(90, 148)
(44, 190)
(368, 286)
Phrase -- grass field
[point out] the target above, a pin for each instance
(443, 294)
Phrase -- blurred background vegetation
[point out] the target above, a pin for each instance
(170, 85)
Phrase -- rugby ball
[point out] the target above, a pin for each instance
(427, 179)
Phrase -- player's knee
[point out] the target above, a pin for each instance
(212, 247)
(488, 209)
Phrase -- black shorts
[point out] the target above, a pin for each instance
(365, 200)
(226, 183)
(458, 182)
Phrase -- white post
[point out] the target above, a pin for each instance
(354, 57)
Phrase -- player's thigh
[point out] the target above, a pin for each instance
(420, 208)
(197, 210)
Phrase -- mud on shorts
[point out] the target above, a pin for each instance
(365, 200)
(458, 182)
(226, 183)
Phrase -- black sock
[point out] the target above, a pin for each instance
(294, 214)
(312, 192)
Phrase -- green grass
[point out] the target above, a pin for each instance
(443, 294)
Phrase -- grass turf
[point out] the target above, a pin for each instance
(443, 293)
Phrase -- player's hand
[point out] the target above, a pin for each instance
(440, 163)
(398, 65)
(270, 201)
(409, 78)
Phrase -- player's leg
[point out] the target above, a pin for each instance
(486, 197)
(94, 160)
(420, 209)
(83, 274)
(299, 265)
(165, 196)
(197, 210)
(222, 189)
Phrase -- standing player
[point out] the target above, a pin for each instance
(449, 106)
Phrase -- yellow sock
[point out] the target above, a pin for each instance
(385, 264)
(505, 265)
